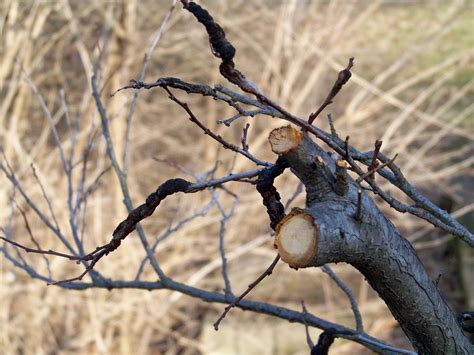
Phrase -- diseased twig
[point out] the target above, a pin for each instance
(270, 195)
(325, 340)
(424, 209)
(143, 211)
(123, 229)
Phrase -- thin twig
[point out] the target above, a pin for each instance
(349, 294)
(346, 148)
(45, 196)
(133, 104)
(374, 169)
(331, 126)
(235, 303)
(225, 217)
(245, 145)
(306, 327)
(30, 233)
(342, 78)
(298, 190)
(373, 165)
(216, 137)
(8, 171)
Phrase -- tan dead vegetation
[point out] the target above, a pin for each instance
(412, 87)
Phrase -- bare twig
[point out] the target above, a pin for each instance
(349, 294)
(306, 328)
(298, 190)
(225, 217)
(216, 137)
(373, 165)
(346, 148)
(342, 78)
(245, 145)
(8, 171)
(236, 302)
(373, 168)
(45, 196)
(133, 104)
(331, 126)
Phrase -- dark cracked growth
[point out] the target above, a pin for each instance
(220, 46)
(270, 195)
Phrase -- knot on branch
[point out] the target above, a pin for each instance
(270, 195)
(220, 46)
(169, 187)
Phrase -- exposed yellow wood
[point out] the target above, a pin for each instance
(284, 139)
(296, 238)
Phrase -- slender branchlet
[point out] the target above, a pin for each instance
(342, 78)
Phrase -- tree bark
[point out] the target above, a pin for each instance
(327, 231)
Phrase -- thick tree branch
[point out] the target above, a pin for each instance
(424, 208)
(327, 232)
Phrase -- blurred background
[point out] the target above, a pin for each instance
(412, 87)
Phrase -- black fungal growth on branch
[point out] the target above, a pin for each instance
(270, 195)
(220, 46)
(166, 189)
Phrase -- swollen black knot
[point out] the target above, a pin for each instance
(172, 186)
(220, 46)
(270, 195)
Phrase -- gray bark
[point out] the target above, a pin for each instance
(375, 247)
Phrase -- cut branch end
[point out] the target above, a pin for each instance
(285, 139)
(296, 238)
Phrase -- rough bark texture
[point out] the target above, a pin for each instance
(375, 247)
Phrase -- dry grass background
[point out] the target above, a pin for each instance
(412, 86)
